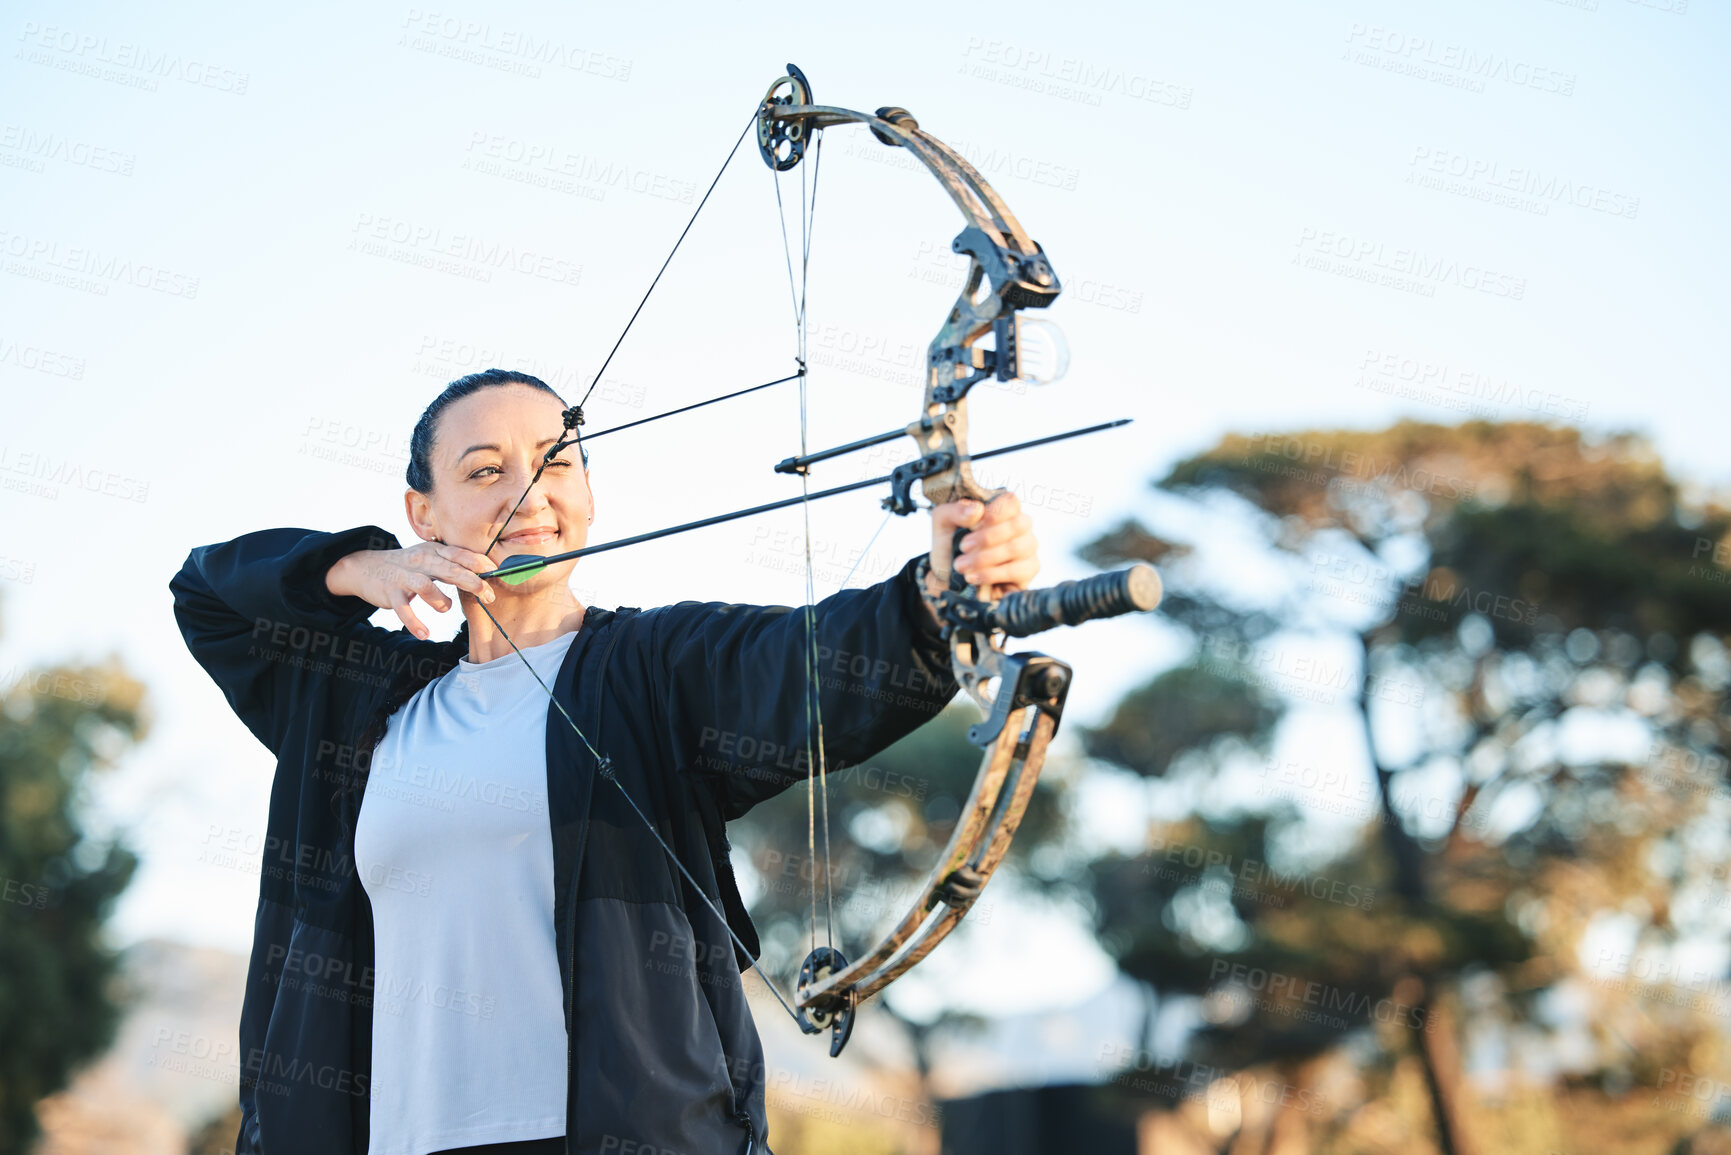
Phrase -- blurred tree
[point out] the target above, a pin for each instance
(1517, 602)
(59, 1005)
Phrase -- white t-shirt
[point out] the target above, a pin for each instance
(454, 849)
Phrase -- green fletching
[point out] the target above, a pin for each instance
(530, 566)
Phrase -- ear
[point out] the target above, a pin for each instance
(419, 508)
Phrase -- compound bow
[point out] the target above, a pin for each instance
(1022, 694)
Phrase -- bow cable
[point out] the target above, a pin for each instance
(816, 772)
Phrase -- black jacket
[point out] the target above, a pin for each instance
(699, 707)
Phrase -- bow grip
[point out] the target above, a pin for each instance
(1132, 590)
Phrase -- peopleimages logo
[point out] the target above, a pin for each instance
(41, 360)
(463, 254)
(1494, 181)
(1460, 386)
(1280, 992)
(1456, 65)
(1251, 873)
(1065, 77)
(515, 50)
(1370, 260)
(36, 147)
(40, 475)
(88, 269)
(134, 65)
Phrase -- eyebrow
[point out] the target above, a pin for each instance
(478, 448)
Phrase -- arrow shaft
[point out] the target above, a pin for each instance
(768, 507)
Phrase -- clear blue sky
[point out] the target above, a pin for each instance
(216, 315)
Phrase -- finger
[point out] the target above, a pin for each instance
(989, 518)
(988, 534)
(1003, 507)
(1012, 575)
(452, 572)
(468, 558)
(430, 593)
(987, 572)
(947, 518)
(997, 543)
(954, 515)
(977, 563)
(406, 615)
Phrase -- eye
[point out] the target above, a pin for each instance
(485, 469)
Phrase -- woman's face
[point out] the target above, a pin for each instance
(486, 447)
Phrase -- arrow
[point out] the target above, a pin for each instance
(520, 567)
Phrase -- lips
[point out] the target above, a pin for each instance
(529, 538)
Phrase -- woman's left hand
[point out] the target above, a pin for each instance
(999, 554)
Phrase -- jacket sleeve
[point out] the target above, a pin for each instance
(256, 615)
(737, 679)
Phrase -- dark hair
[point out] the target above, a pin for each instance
(420, 471)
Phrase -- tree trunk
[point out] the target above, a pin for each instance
(1440, 1052)
(1403, 850)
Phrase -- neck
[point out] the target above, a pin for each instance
(531, 616)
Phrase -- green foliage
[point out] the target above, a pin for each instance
(1576, 571)
(1546, 578)
(58, 1003)
(1187, 708)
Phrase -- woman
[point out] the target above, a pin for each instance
(444, 873)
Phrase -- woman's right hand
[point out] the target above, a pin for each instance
(393, 578)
